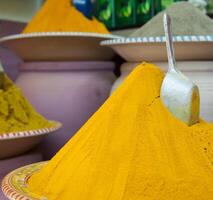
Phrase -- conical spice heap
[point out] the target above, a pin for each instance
(132, 149)
(186, 20)
(62, 16)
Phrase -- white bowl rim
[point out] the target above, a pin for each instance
(30, 133)
(158, 39)
(58, 34)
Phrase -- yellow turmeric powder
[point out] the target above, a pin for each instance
(16, 113)
(132, 148)
(57, 16)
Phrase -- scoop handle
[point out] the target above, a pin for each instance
(1, 75)
(169, 42)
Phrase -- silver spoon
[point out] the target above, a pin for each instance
(1, 75)
(178, 92)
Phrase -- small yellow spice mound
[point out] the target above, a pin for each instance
(16, 113)
(55, 16)
(132, 148)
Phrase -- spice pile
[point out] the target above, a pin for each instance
(63, 17)
(16, 113)
(186, 20)
(132, 148)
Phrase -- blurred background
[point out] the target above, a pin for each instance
(121, 17)
(114, 14)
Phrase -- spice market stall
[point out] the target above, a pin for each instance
(151, 138)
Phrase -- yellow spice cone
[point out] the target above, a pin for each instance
(132, 149)
(55, 16)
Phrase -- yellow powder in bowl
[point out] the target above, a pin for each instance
(132, 148)
(62, 16)
(16, 113)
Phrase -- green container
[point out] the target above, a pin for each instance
(144, 11)
(125, 13)
(105, 12)
(157, 6)
(210, 6)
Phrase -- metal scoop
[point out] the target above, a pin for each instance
(1, 75)
(178, 93)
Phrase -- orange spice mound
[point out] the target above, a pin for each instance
(62, 16)
(132, 148)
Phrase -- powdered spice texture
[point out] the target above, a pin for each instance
(132, 148)
(186, 20)
(62, 16)
(16, 113)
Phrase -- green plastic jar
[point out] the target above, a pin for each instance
(144, 11)
(125, 13)
(105, 12)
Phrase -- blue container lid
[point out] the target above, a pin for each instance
(84, 6)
